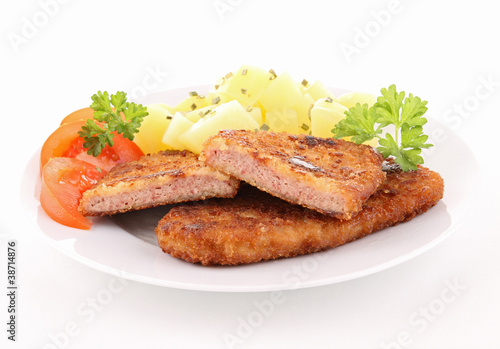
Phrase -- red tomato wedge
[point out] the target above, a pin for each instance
(80, 114)
(63, 182)
(65, 142)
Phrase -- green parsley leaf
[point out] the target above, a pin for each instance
(388, 106)
(359, 123)
(108, 111)
(404, 116)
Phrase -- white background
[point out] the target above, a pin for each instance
(55, 55)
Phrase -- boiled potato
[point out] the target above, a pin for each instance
(196, 115)
(217, 98)
(326, 103)
(282, 92)
(350, 99)
(178, 126)
(153, 127)
(256, 114)
(302, 107)
(318, 90)
(246, 85)
(230, 115)
(303, 85)
(282, 120)
(193, 102)
(325, 114)
(252, 98)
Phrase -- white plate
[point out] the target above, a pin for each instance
(134, 254)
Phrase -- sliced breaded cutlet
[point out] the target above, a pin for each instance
(332, 176)
(163, 178)
(256, 226)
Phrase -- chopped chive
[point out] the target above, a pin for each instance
(193, 106)
(169, 117)
(273, 74)
(244, 91)
(329, 99)
(216, 87)
(193, 93)
(244, 72)
(265, 127)
(305, 127)
(304, 83)
(216, 100)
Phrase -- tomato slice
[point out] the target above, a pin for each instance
(63, 182)
(80, 114)
(65, 142)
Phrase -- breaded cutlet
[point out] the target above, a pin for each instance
(332, 176)
(163, 178)
(256, 226)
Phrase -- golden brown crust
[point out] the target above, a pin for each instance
(332, 176)
(167, 163)
(166, 177)
(255, 226)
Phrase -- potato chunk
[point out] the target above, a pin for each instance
(282, 92)
(230, 115)
(318, 90)
(153, 127)
(178, 126)
(193, 102)
(246, 85)
(325, 114)
(350, 99)
(282, 120)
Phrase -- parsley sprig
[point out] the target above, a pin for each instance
(108, 113)
(405, 115)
